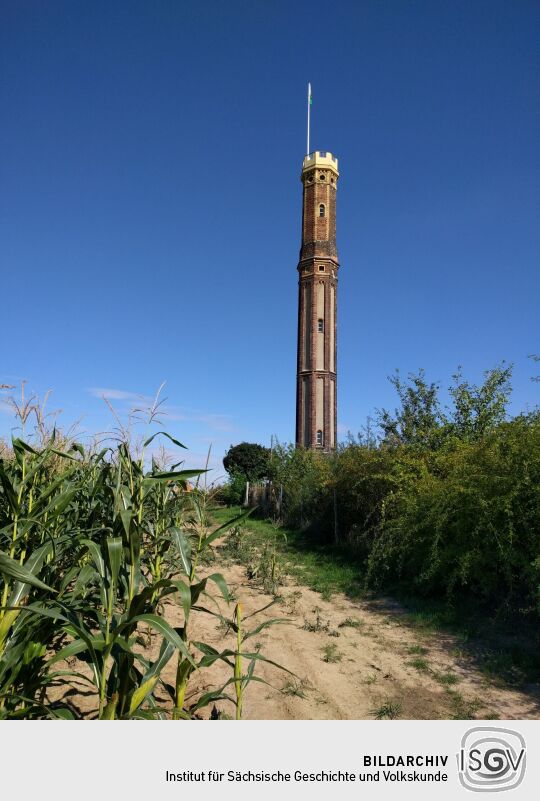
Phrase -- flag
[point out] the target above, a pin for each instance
(310, 97)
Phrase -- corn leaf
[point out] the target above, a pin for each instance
(141, 692)
(220, 582)
(9, 491)
(183, 546)
(261, 626)
(33, 564)
(161, 625)
(175, 441)
(222, 529)
(177, 475)
(12, 569)
(114, 548)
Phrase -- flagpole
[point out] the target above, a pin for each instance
(308, 114)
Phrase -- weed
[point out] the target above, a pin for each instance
(296, 687)
(331, 653)
(291, 601)
(417, 649)
(237, 547)
(446, 678)
(463, 708)
(317, 624)
(233, 595)
(419, 664)
(351, 623)
(271, 571)
(390, 709)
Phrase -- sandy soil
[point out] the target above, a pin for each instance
(373, 668)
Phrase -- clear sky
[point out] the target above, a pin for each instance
(150, 201)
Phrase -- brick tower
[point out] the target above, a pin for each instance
(316, 389)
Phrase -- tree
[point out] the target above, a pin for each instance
(247, 459)
(419, 419)
(478, 409)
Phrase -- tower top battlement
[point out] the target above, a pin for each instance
(320, 158)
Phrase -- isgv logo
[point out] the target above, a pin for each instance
(491, 759)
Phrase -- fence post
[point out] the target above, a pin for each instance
(336, 539)
(246, 499)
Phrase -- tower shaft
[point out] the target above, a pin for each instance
(316, 385)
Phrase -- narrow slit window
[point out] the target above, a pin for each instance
(319, 437)
(322, 210)
(320, 326)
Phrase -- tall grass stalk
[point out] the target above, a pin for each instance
(238, 661)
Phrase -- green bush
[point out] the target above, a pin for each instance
(446, 503)
(305, 476)
(470, 522)
(234, 490)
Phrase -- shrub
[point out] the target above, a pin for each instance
(445, 504)
(234, 490)
(471, 522)
(305, 476)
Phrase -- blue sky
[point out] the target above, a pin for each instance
(150, 204)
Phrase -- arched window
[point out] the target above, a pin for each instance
(322, 210)
(319, 437)
(320, 326)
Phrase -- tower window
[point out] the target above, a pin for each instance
(321, 268)
(322, 176)
(320, 326)
(322, 210)
(320, 437)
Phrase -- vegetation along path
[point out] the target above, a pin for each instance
(353, 657)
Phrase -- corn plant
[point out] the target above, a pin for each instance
(237, 657)
(91, 546)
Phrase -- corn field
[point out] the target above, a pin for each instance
(91, 545)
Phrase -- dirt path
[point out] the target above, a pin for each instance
(381, 664)
(351, 659)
